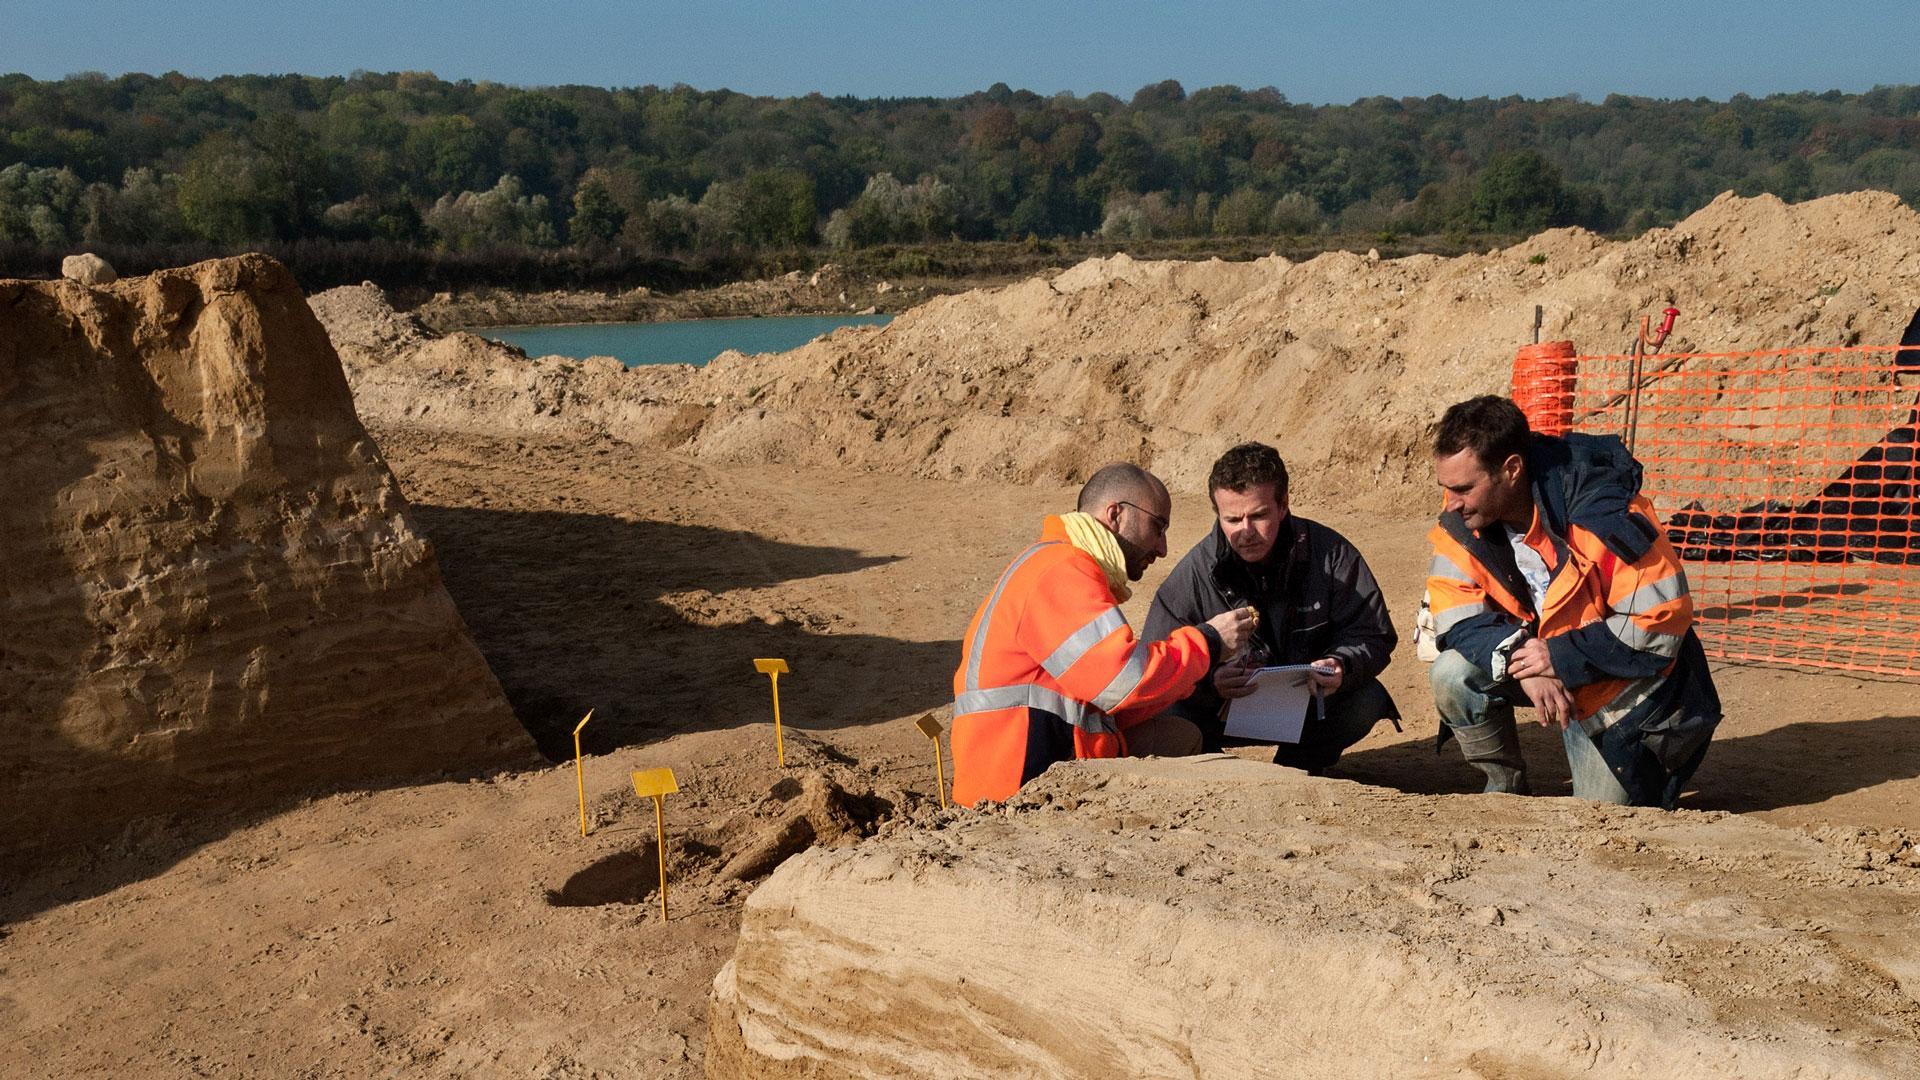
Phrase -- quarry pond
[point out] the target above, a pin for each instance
(693, 341)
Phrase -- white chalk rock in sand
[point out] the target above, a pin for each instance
(87, 269)
(1215, 917)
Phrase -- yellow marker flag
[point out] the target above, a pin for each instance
(773, 669)
(579, 777)
(657, 784)
(931, 729)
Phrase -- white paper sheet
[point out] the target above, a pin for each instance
(1276, 711)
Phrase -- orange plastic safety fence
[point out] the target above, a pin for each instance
(1786, 478)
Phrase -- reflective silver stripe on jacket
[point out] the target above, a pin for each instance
(1630, 697)
(1653, 594)
(1634, 636)
(1033, 696)
(1124, 683)
(1442, 567)
(1078, 642)
(1444, 621)
(986, 614)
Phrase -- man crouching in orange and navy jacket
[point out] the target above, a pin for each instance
(1553, 585)
(1052, 671)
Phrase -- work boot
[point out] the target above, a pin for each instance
(1493, 747)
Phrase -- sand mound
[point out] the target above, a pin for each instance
(1344, 362)
(1218, 917)
(209, 585)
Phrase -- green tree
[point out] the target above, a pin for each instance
(142, 210)
(776, 209)
(597, 218)
(1519, 192)
(664, 226)
(1243, 213)
(891, 212)
(230, 194)
(1161, 95)
(38, 204)
(450, 153)
(503, 214)
(1294, 214)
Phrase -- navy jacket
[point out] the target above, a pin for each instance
(1591, 481)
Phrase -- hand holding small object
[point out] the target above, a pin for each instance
(1235, 628)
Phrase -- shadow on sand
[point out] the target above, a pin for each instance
(570, 612)
(633, 620)
(1793, 765)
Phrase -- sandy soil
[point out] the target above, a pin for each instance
(463, 928)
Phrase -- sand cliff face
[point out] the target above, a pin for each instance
(209, 586)
(1343, 362)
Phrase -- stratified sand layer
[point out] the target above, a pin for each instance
(210, 588)
(1215, 917)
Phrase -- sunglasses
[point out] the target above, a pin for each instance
(1159, 522)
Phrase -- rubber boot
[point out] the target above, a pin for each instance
(1493, 747)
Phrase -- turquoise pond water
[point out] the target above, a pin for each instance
(695, 341)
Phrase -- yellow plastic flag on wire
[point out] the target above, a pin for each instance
(931, 729)
(773, 669)
(657, 784)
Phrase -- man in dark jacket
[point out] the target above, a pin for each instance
(1317, 601)
(1553, 585)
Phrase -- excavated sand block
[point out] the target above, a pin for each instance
(210, 591)
(1221, 918)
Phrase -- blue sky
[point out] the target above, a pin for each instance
(1312, 52)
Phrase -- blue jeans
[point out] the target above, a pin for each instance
(1466, 695)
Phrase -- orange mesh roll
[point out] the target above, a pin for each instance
(1543, 385)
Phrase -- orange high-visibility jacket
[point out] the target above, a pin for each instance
(1052, 671)
(1613, 628)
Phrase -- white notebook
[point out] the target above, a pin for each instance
(1276, 711)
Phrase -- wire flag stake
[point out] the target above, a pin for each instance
(657, 784)
(773, 669)
(931, 729)
(579, 778)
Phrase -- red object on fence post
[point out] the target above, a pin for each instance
(1543, 384)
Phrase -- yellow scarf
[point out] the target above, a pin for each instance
(1085, 532)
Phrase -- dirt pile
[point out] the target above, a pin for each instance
(749, 827)
(210, 587)
(1222, 918)
(1342, 361)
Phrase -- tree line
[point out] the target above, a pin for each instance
(418, 174)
